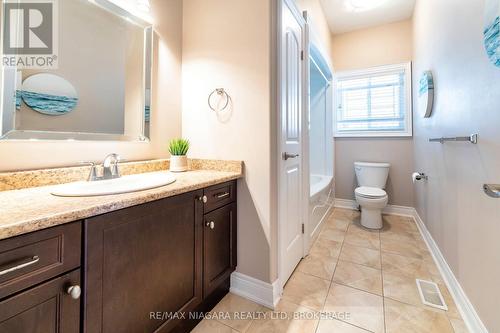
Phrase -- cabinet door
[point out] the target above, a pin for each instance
(46, 308)
(219, 247)
(141, 261)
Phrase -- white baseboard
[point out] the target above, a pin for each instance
(399, 210)
(464, 306)
(260, 292)
(390, 209)
(345, 203)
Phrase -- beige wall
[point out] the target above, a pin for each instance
(382, 45)
(166, 109)
(396, 151)
(387, 44)
(223, 47)
(464, 222)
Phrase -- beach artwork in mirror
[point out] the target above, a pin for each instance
(49, 94)
(101, 88)
(492, 31)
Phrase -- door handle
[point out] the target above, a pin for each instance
(287, 156)
(492, 190)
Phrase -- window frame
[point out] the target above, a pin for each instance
(408, 132)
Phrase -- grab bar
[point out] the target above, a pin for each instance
(472, 139)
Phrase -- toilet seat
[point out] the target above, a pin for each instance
(370, 192)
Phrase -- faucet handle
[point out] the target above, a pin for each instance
(115, 170)
(93, 171)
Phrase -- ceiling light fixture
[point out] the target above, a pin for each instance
(363, 5)
(143, 5)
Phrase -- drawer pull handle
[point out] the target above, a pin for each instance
(74, 291)
(211, 225)
(31, 261)
(222, 195)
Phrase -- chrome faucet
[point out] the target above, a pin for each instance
(110, 167)
(93, 171)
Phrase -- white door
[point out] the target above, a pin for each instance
(291, 232)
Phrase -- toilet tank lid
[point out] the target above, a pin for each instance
(372, 165)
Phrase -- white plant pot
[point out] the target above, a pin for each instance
(178, 163)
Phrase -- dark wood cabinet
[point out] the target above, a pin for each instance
(219, 247)
(142, 264)
(219, 195)
(36, 257)
(46, 308)
(141, 268)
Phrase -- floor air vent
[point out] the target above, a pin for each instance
(431, 295)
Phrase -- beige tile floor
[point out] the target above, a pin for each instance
(354, 280)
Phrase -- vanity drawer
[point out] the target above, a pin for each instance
(36, 257)
(219, 195)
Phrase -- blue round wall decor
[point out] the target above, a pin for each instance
(492, 31)
(49, 94)
(426, 93)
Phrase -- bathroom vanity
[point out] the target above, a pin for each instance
(142, 268)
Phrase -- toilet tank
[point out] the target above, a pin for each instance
(372, 174)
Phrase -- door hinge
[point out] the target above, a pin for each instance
(303, 229)
(301, 55)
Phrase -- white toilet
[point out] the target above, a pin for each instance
(370, 194)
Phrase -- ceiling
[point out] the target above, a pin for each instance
(349, 15)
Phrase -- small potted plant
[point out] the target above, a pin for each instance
(178, 149)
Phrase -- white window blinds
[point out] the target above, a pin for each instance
(374, 102)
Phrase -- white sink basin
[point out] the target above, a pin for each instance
(125, 184)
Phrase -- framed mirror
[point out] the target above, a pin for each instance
(87, 95)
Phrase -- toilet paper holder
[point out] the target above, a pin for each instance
(420, 176)
(492, 190)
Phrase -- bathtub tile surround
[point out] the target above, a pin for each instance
(45, 210)
(373, 283)
(45, 177)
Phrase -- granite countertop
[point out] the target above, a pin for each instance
(32, 209)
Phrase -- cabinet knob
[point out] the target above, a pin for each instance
(211, 225)
(203, 198)
(74, 291)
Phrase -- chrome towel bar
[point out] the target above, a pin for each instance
(472, 139)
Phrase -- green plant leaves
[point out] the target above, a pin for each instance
(178, 147)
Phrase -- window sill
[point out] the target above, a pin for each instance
(373, 135)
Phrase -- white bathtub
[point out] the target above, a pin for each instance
(318, 185)
(320, 202)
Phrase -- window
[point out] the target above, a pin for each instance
(374, 102)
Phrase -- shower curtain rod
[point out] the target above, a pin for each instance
(320, 71)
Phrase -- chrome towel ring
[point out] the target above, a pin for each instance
(222, 94)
